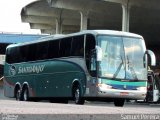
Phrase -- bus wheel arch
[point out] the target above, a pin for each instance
(17, 92)
(77, 93)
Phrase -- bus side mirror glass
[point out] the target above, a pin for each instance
(152, 56)
(99, 53)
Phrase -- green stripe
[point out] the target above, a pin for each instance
(113, 82)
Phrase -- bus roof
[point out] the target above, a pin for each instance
(94, 32)
(112, 32)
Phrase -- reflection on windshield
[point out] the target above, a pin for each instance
(130, 70)
(112, 64)
(122, 58)
(134, 52)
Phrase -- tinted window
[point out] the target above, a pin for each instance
(8, 56)
(23, 53)
(90, 44)
(65, 47)
(78, 46)
(90, 57)
(53, 50)
(13, 55)
(42, 50)
(31, 52)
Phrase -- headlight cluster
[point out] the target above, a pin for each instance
(142, 88)
(105, 86)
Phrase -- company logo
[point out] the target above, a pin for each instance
(26, 69)
(12, 70)
(31, 69)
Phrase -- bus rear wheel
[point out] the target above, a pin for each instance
(18, 94)
(25, 94)
(119, 102)
(78, 95)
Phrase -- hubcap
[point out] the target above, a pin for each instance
(77, 95)
(25, 95)
(18, 95)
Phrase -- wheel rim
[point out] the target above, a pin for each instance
(18, 95)
(25, 95)
(77, 94)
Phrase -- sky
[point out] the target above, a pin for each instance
(10, 19)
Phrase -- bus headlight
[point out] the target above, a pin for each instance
(142, 88)
(104, 86)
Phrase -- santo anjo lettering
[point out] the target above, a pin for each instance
(31, 69)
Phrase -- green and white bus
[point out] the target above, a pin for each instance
(89, 65)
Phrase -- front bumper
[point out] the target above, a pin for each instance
(127, 94)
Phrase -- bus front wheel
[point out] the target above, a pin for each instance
(77, 95)
(119, 102)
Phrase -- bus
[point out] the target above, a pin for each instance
(89, 65)
(153, 87)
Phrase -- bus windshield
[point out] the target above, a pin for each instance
(122, 58)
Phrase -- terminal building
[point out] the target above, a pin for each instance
(68, 16)
(63, 17)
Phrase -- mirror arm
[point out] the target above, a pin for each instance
(153, 57)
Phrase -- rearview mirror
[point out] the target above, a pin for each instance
(99, 53)
(152, 56)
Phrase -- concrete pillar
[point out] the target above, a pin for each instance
(58, 26)
(84, 20)
(125, 17)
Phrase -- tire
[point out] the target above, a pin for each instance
(25, 94)
(119, 102)
(18, 94)
(77, 95)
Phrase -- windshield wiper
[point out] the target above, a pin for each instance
(118, 69)
(130, 66)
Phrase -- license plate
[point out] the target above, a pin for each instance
(124, 93)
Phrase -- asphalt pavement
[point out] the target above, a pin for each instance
(11, 109)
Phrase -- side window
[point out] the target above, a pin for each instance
(42, 50)
(53, 49)
(14, 55)
(90, 54)
(9, 56)
(31, 54)
(23, 53)
(65, 47)
(90, 44)
(78, 46)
